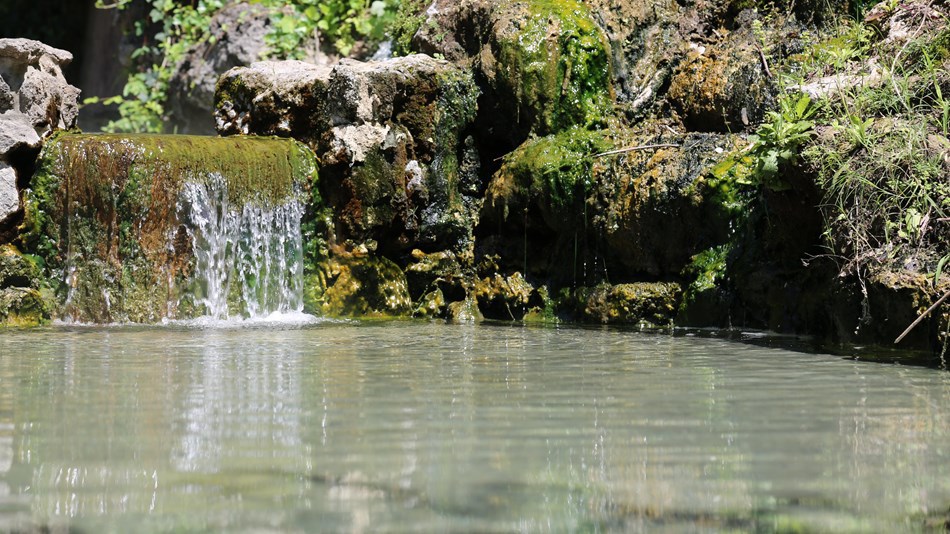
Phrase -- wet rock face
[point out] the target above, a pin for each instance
(544, 65)
(365, 286)
(725, 84)
(579, 214)
(21, 301)
(396, 162)
(651, 304)
(35, 99)
(117, 218)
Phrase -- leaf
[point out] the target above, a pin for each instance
(939, 270)
(802, 105)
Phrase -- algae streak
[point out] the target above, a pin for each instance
(103, 214)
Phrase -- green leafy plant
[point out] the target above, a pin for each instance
(342, 22)
(777, 140)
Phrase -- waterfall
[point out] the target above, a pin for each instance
(248, 259)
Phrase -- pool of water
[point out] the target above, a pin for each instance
(402, 426)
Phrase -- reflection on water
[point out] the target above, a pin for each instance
(396, 426)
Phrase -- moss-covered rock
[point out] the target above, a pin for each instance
(567, 209)
(365, 286)
(23, 298)
(651, 304)
(727, 85)
(552, 174)
(105, 213)
(894, 300)
(551, 65)
(397, 165)
(506, 297)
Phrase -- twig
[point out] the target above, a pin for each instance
(636, 148)
(765, 64)
(921, 318)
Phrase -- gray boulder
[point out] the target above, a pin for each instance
(33, 85)
(35, 99)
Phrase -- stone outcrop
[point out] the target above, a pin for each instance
(398, 167)
(35, 99)
(236, 38)
(22, 302)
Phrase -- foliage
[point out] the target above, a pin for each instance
(881, 159)
(342, 22)
(167, 33)
(172, 28)
(777, 140)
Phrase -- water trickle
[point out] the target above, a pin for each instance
(248, 259)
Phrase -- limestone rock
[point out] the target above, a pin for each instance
(365, 286)
(545, 65)
(651, 304)
(284, 98)
(21, 301)
(561, 211)
(16, 133)
(32, 72)
(237, 38)
(394, 164)
(9, 197)
(724, 85)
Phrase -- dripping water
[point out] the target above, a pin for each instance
(248, 260)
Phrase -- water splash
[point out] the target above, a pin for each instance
(248, 259)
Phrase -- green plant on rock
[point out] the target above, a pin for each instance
(777, 140)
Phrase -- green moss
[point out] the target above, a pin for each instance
(23, 307)
(408, 20)
(107, 207)
(554, 171)
(647, 304)
(559, 82)
(23, 298)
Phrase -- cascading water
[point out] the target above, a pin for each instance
(157, 228)
(249, 259)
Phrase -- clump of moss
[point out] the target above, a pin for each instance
(648, 304)
(554, 59)
(554, 172)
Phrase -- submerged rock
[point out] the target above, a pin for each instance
(116, 218)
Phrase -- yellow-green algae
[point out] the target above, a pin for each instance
(23, 299)
(102, 213)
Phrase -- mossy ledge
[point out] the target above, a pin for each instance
(103, 214)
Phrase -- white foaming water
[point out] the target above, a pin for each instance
(248, 260)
